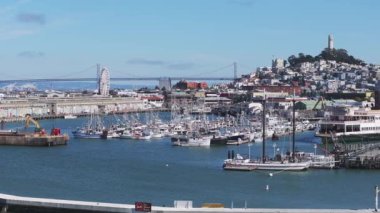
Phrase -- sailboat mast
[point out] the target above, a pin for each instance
(294, 129)
(263, 120)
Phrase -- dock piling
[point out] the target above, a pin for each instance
(376, 198)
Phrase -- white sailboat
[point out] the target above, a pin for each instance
(289, 163)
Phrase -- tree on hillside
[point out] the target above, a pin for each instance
(294, 60)
(338, 55)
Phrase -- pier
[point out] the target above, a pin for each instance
(15, 204)
(367, 157)
(52, 108)
(62, 116)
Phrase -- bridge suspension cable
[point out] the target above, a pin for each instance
(212, 71)
(246, 68)
(125, 73)
(78, 72)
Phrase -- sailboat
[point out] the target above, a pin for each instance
(290, 163)
(94, 129)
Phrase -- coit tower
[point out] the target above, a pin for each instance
(331, 42)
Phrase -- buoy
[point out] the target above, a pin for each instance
(167, 165)
(267, 187)
(271, 174)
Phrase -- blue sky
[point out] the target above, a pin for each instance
(66, 38)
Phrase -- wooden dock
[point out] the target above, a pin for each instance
(366, 157)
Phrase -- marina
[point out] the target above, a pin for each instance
(88, 169)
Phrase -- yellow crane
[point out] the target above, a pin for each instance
(30, 119)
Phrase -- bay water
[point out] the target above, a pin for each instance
(126, 171)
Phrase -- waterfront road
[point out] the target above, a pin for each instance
(11, 203)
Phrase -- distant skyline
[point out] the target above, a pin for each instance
(145, 38)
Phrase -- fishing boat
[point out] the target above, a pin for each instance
(157, 135)
(127, 134)
(93, 129)
(83, 133)
(70, 116)
(218, 139)
(196, 141)
(140, 134)
(193, 139)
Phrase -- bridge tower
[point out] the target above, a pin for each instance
(165, 83)
(235, 70)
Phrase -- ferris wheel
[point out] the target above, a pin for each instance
(104, 82)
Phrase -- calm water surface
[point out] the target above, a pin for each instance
(125, 171)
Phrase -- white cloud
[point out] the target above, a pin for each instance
(6, 34)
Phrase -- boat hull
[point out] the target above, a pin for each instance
(282, 167)
(218, 141)
(80, 135)
(270, 166)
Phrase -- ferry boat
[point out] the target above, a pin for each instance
(350, 124)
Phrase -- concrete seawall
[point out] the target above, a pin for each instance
(14, 204)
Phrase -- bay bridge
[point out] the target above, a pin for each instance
(117, 79)
(195, 77)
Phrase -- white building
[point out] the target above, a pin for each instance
(278, 63)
